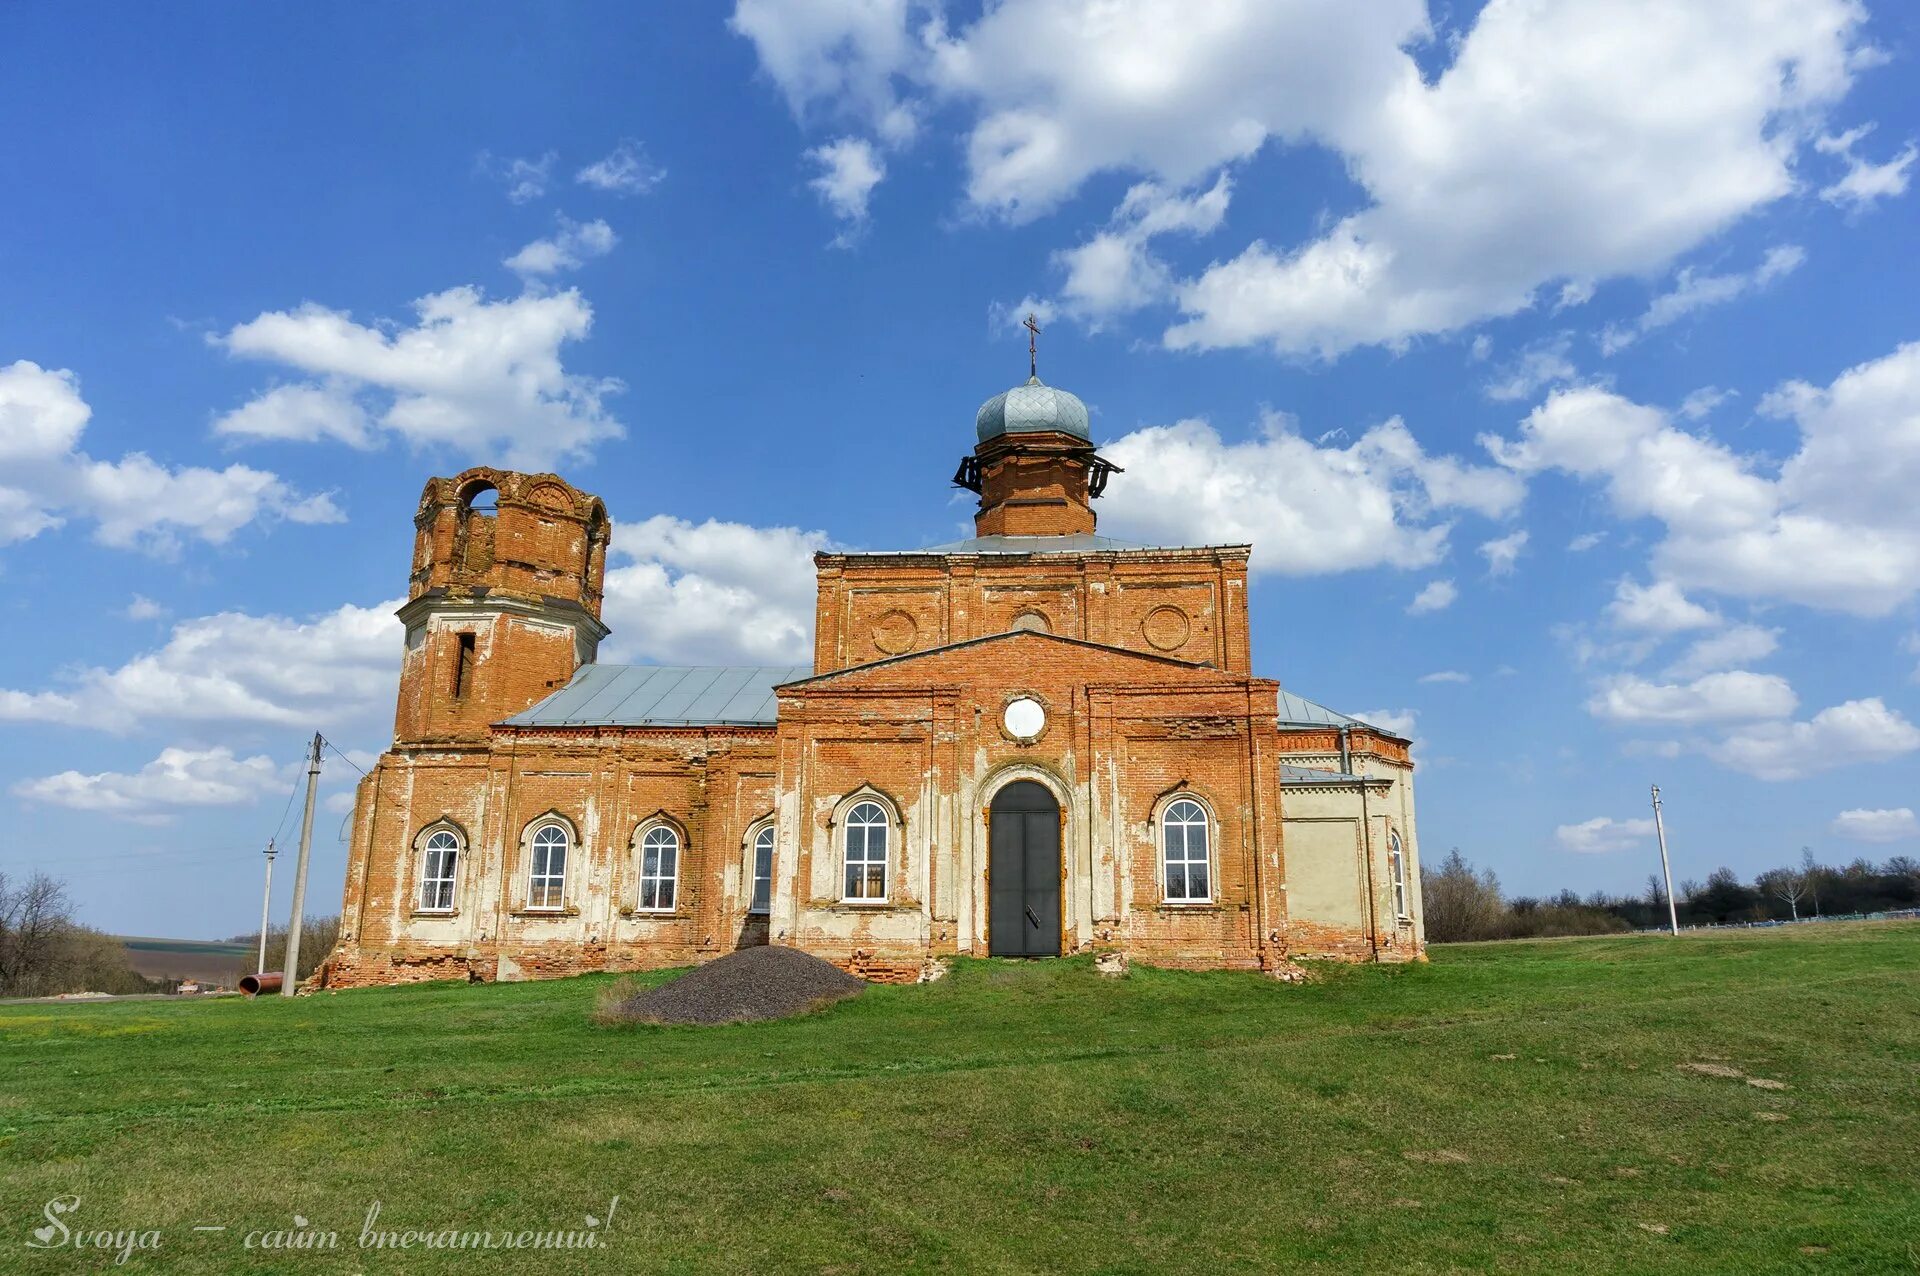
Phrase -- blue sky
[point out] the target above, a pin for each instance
(1558, 362)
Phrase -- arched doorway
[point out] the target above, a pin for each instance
(1023, 872)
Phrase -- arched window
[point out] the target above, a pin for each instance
(473, 536)
(437, 867)
(866, 848)
(659, 868)
(547, 878)
(761, 899)
(1184, 837)
(1397, 870)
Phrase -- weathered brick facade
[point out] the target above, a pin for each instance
(875, 783)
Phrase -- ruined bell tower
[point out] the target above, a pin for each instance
(503, 603)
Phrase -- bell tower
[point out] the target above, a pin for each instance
(1034, 466)
(503, 603)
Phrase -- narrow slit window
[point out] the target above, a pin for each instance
(762, 898)
(1397, 869)
(463, 667)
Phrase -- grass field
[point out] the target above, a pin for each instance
(209, 960)
(1509, 1107)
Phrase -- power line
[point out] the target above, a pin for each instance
(291, 790)
(336, 753)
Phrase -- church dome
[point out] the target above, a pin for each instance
(1031, 409)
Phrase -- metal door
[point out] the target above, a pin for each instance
(1023, 872)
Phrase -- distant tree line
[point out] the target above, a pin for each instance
(45, 952)
(1462, 903)
(318, 935)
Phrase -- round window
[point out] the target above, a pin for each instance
(1024, 718)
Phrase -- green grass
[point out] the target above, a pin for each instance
(1509, 1107)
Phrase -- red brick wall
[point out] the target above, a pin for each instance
(710, 784)
(1187, 604)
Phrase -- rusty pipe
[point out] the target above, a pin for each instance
(254, 985)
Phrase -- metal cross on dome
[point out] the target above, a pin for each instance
(1032, 325)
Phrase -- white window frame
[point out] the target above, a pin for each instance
(456, 848)
(553, 899)
(886, 825)
(1167, 824)
(1397, 874)
(761, 834)
(659, 836)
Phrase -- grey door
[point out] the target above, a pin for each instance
(1023, 872)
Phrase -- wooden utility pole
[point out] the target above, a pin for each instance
(290, 977)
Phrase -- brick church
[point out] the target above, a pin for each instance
(1034, 742)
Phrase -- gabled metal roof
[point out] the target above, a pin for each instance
(664, 695)
(1291, 773)
(1298, 711)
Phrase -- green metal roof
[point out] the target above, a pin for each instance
(1030, 409)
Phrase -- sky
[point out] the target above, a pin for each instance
(1561, 362)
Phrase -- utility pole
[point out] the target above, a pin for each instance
(291, 975)
(1659, 828)
(266, 902)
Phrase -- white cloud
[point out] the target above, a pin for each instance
(1700, 404)
(1732, 647)
(567, 249)
(711, 593)
(1437, 595)
(1692, 291)
(479, 378)
(1400, 722)
(525, 179)
(1833, 529)
(144, 608)
(841, 54)
(1659, 608)
(178, 777)
(135, 502)
(1115, 272)
(1547, 113)
(1447, 675)
(625, 170)
(1585, 541)
(1539, 365)
(1865, 183)
(340, 666)
(1860, 825)
(1602, 835)
(850, 168)
(301, 413)
(1849, 734)
(1731, 696)
(1307, 509)
(1481, 181)
(1502, 554)
(1844, 735)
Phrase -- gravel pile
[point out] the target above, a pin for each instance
(768, 982)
